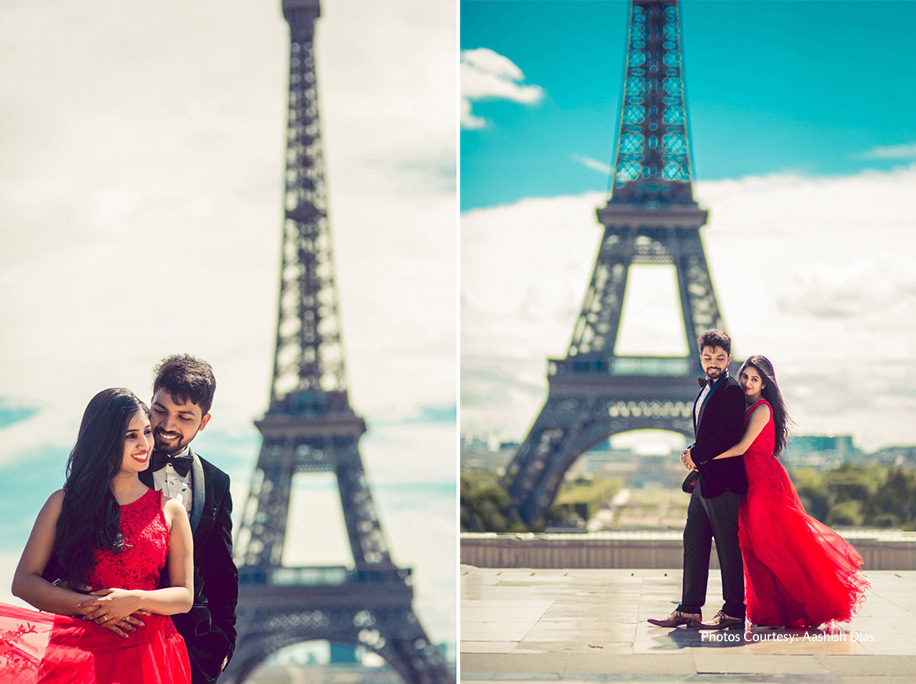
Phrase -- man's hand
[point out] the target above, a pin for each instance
(687, 461)
(72, 586)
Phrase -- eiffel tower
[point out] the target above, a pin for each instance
(650, 218)
(310, 427)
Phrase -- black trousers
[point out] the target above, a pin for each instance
(707, 519)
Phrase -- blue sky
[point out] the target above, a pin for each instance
(775, 86)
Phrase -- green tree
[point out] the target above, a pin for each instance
(859, 494)
(813, 493)
(894, 499)
(582, 497)
(848, 513)
(851, 482)
(486, 506)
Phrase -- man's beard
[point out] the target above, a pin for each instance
(171, 448)
(718, 373)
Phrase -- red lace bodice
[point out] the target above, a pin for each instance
(146, 546)
(759, 461)
(59, 649)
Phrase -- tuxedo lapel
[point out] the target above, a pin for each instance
(712, 390)
(198, 493)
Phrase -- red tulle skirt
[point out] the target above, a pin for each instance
(797, 571)
(55, 649)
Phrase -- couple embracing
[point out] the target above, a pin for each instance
(780, 567)
(131, 561)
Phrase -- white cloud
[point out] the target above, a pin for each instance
(891, 152)
(814, 273)
(139, 220)
(490, 62)
(468, 120)
(592, 164)
(485, 75)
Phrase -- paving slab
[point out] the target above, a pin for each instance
(526, 625)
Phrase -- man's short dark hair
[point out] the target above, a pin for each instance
(715, 338)
(186, 378)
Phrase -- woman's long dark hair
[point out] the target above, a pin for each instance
(772, 394)
(90, 517)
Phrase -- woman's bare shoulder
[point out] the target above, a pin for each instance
(763, 410)
(56, 500)
(170, 505)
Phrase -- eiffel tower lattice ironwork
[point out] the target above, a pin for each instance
(650, 218)
(310, 427)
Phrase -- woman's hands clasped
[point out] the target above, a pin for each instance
(113, 608)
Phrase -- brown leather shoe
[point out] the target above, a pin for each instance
(722, 621)
(678, 618)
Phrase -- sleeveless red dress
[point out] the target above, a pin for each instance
(57, 649)
(797, 571)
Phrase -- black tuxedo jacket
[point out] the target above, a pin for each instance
(209, 627)
(719, 428)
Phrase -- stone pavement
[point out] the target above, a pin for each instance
(524, 625)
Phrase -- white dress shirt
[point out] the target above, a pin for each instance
(175, 486)
(701, 399)
(699, 405)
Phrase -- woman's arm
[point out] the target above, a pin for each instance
(759, 418)
(115, 604)
(181, 556)
(28, 584)
(725, 409)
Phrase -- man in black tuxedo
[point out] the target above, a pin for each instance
(718, 421)
(182, 395)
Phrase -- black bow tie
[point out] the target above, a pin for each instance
(703, 382)
(182, 464)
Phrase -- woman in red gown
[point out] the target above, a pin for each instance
(797, 571)
(109, 534)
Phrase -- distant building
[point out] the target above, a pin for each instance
(343, 653)
(820, 451)
(901, 456)
(477, 443)
(604, 460)
(484, 453)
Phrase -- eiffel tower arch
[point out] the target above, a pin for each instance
(650, 218)
(310, 427)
